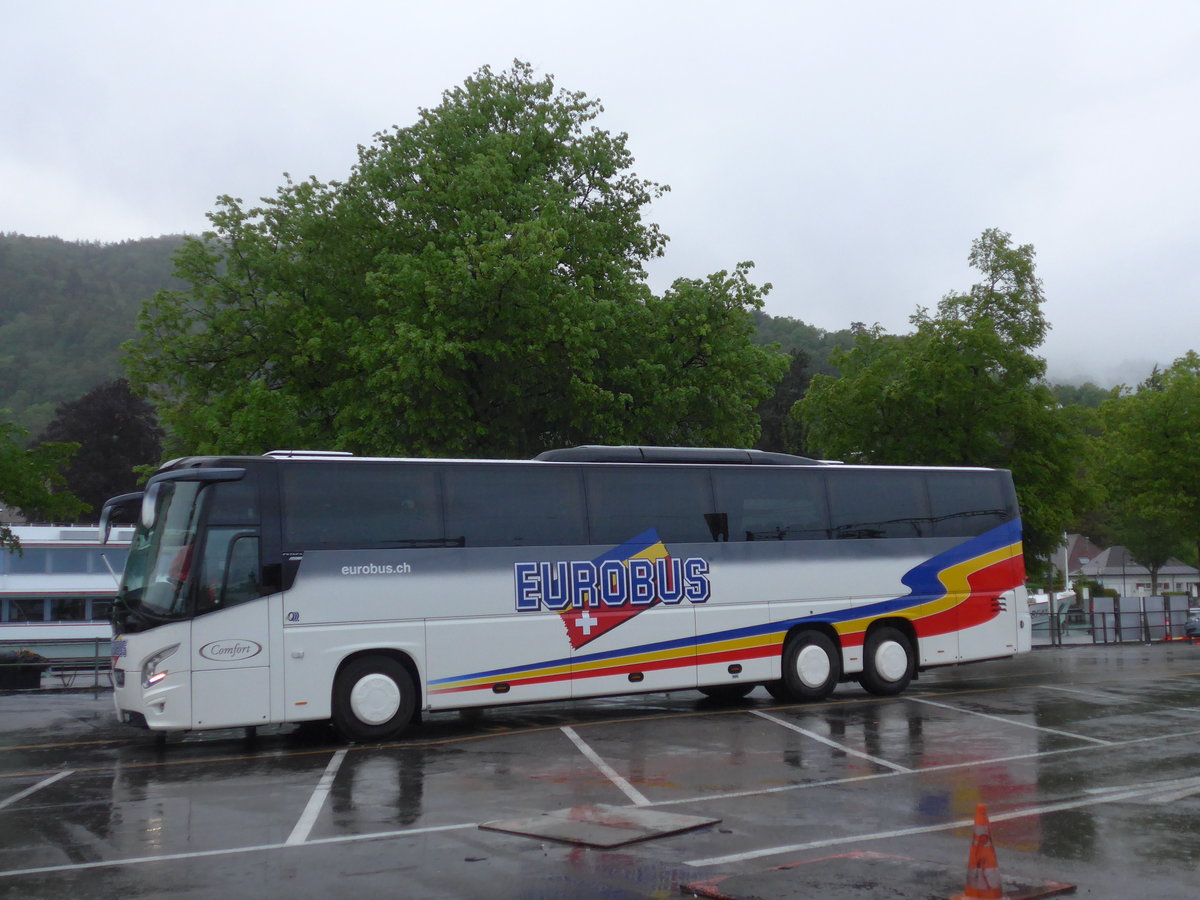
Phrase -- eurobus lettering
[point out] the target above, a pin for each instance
(611, 583)
(586, 572)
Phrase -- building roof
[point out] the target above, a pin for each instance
(1079, 550)
(1119, 561)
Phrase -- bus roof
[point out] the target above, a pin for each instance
(588, 453)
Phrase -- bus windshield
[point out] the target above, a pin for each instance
(160, 556)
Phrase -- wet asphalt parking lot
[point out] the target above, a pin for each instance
(1087, 758)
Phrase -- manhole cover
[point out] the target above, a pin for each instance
(600, 826)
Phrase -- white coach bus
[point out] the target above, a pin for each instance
(305, 586)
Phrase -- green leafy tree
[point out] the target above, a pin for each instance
(1150, 446)
(964, 388)
(31, 482)
(476, 286)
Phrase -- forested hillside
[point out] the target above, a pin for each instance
(65, 309)
(791, 335)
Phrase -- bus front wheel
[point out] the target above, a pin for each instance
(811, 668)
(888, 662)
(374, 698)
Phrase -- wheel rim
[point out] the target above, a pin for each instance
(375, 699)
(812, 666)
(891, 661)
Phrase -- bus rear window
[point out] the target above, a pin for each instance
(968, 503)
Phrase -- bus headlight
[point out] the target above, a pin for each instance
(153, 670)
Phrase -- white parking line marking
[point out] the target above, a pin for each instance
(635, 796)
(924, 770)
(200, 854)
(1158, 791)
(45, 782)
(1007, 721)
(1055, 687)
(1183, 709)
(309, 817)
(824, 740)
(924, 829)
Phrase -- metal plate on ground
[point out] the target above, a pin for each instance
(861, 875)
(600, 826)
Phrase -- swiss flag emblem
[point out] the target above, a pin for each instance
(586, 624)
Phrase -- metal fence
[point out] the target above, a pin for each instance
(1123, 620)
(72, 662)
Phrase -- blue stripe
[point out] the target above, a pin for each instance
(921, 580)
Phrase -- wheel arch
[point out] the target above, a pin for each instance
(824, 628)
(904, 626)
(399, 656)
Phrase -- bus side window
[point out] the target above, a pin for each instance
(230, 571)
(866, 503)
(773, 504)
(501, 505)
(968, 503)
(361, 505)
(625, 501)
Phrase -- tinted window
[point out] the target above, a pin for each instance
(116, 558)
(29, 562)
(514, 506)
(233, 502)
(878, 504)
(624, 501)
(965, 504)
(68, 609)
(361, 505)
(69, 562)
(229, 570)
(26, 609)
(769, 504)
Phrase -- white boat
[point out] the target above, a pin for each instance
(56, 593)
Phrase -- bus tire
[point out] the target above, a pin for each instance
(726, 693)
(812, 667)
(889, 662)
(374, 698)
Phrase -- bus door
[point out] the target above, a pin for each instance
(231, 683)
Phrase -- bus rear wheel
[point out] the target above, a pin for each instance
(889, 662)
(374, 698)
(812, 667)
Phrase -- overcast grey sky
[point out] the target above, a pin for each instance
(852, 150)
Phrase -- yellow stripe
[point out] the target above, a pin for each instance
(743, 643)
(676, 653)
(955, 581)
(494, 679)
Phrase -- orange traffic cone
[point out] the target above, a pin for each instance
(983, 872)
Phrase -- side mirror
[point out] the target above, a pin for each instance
(118, 509)
(150, 505)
